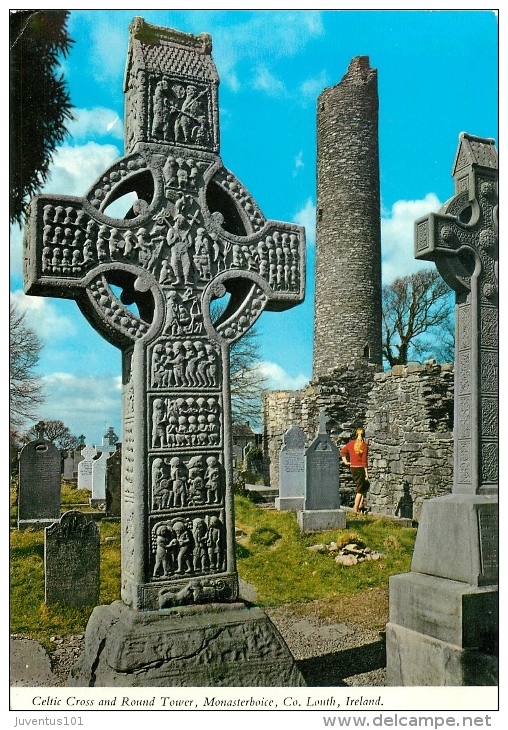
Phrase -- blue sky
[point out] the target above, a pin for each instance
(437, 75)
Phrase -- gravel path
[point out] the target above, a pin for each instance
(329, 653)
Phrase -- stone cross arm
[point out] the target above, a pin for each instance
(205, 237)
(462, 237)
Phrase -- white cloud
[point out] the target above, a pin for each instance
(87, 405)
(311, 88)
(108, 48)
(75, 168)
(278, 379)
(299, 163)
(307, 217)
(267, 82)
(277, 35)
(43, 317)
(94, 122)
(397, 236)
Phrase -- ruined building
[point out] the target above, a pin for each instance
(408, 411)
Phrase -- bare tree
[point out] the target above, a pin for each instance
(25, 385)
(418, 318)
(55, 431)
(246, 379)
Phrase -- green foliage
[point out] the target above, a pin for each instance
(39, 100)
(71, 495)
(264, 536)
(285, 571)
(271, 554)
(30, 615)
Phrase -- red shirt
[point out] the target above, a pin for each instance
(354, 458)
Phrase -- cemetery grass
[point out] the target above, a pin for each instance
(271, 554)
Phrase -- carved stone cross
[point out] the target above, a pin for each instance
(192, 235)
(462, 239)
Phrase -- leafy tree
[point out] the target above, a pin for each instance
(418, 319)
(25, 385)
(39, 101)
(55, 431)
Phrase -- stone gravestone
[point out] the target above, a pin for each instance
(443, 627)
(114, 483)
(85, 467)
(292, 470)
(321, 507)
(68, 466)
(71, 561)
(193, 235)
(109, 441)
(99, 479)
(39, 481)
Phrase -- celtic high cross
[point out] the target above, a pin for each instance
(462, 239)
(192, 235)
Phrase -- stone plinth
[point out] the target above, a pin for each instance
(288, 503)
(319, 520)
(220, 645)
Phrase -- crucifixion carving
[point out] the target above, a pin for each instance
(190, 234)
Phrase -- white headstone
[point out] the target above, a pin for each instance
(85, 467)
(99, 477)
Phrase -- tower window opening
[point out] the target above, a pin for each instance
(320, 215)
(366, 352)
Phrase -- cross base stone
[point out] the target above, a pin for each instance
(444, 613)
(418, 660)
(220, 645)
(318, 520)
(289, 503)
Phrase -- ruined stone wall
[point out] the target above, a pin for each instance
(409, 427)
(407, 413)
(347, 319)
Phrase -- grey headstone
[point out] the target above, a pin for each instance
(72, 561)
(68, 466)
(39, 482)
(85, 467)
(292, 470)
(322, 474)
(114, 484)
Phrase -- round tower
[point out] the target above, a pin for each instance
(347, 309)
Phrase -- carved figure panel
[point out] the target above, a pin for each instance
(186, 481)
(188, 546)
(185, 363)
(185, 422)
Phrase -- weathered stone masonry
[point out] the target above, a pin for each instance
(347, 310)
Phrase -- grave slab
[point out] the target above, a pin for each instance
(39, 482)
(72, 561)
(292, 470)
(321, 507)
